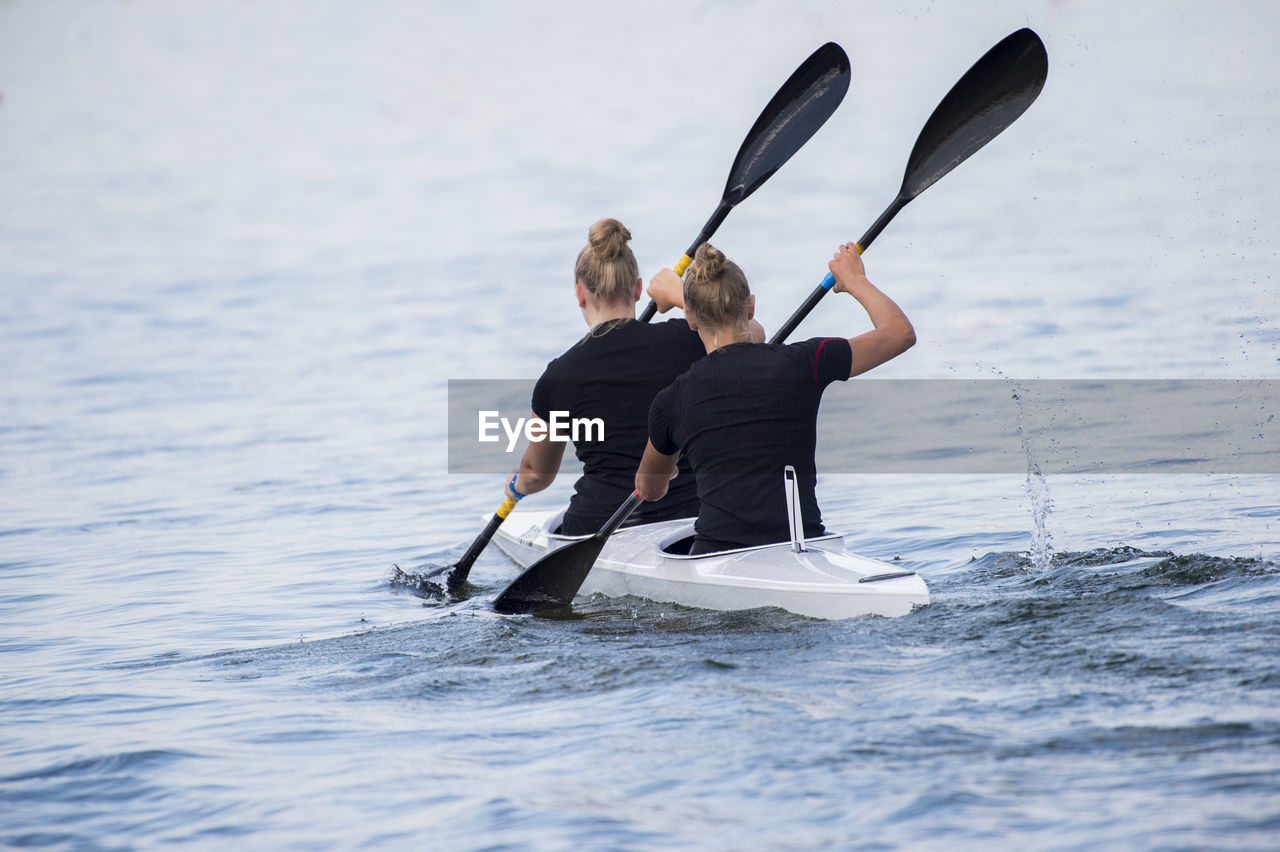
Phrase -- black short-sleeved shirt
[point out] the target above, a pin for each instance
(740, 415)
(613, 374)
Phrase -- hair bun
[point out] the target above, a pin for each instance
(708, 262)
(606, 266)
(608, 239)
(716, 291)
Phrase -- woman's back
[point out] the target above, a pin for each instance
(748, 410)
(739, 416)
(612, 375)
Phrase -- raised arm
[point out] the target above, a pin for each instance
(892, 334)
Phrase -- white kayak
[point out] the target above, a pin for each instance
(821, 581)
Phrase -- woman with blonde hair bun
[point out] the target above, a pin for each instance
(748, 409)
(612, 374)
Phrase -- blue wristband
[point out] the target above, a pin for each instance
(512, 486)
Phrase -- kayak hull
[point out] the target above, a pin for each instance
(823, 581)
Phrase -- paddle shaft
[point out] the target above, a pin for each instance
(784, 331)
(717, 218)
(619, 517)
(462, 569)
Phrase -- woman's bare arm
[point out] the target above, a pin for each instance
(893, 333)
(654, 474)
(539, 464)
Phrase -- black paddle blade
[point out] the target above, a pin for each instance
(553, 580)
(803, 104)
(421, 585)
(987, 99)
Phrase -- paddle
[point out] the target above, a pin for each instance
(459, 571)
(987, 99)
(803, 104)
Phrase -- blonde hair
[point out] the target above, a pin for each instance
(606, 266)
(715, 290)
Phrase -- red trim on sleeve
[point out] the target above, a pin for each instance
(816, 353)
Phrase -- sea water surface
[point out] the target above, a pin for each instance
(245, 245)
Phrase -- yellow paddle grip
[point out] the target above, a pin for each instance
(682, 265)
(506, 507)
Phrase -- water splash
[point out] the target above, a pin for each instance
(420, 584)
(1037, 490)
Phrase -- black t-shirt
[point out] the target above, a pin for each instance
(740, 415)
(613, 374)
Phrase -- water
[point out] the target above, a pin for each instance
(242, 248)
